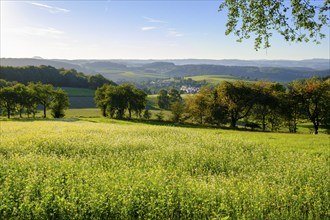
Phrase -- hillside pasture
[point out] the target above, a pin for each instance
(80, 97)
(79, 91)
(107, 169)
(130, 75)
(214, 79)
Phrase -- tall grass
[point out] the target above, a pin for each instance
(83, 170)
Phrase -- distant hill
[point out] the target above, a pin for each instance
(317, 64)
(139, 70)
(248, 72)
(104, 65)
(19, 62)
(50, 75)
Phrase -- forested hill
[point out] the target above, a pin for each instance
(141, 70)
(20, 62)
(50, 75)
(259, 73)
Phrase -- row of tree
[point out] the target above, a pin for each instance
(26, 99)
(114, 101)
(50, 75)
(264, 105)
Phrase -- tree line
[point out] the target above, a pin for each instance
(114, 101)
(262, 105)
(50, 75)
(20, 98)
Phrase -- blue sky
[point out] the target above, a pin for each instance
(133, 30)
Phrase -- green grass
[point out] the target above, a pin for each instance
(98, 168)
(79, 91)
(214, 79)
(80, 98)
(137, 75)
(84, 112)
(130, 75)
(152, 102)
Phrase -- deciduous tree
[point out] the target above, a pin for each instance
(23, 97)
(174, 96)
(8, 98)
(314, 96)
(296, 21)
(59, 103)
(101, 99)
(163, 99)
(199, 105)
(177, 109)
(239, 99)
(266, 102)
(43, 94)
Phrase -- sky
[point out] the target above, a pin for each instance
(133, 29)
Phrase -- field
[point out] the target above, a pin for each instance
(79, 91)
(80, 97)
(97, 168)
(215, 79)
(130, 75)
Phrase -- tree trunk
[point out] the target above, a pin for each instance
(44, 111)
(129, 113)
(8, 112)
(104, 111)
(233, 122)
(263, 123)
(316, 127)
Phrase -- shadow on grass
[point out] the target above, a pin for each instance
(173, 124)
(192, 125)
(40, 119)
(154, 122)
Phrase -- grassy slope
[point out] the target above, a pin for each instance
(215, 79)
(119, 169)
(80, 97)
(129, 75)
(79, 92)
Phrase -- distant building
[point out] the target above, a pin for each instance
(189, 89)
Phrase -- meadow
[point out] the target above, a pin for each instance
(98, 168)
(130, 75)
(215, 79)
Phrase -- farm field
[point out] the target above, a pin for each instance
(83, 112)
(79, 91)
(130, 75)
(214, 79)
(80, 97)
(98, 168)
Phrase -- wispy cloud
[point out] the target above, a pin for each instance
(173, 33)
(152, 20)
(49, 8)
(37, 31)
(148, 28)
(162, 26)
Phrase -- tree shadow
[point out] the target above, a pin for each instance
(40, 119)
(172, 124)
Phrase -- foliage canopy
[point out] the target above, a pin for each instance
(296, 21)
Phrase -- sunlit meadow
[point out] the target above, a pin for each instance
(74, 169)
